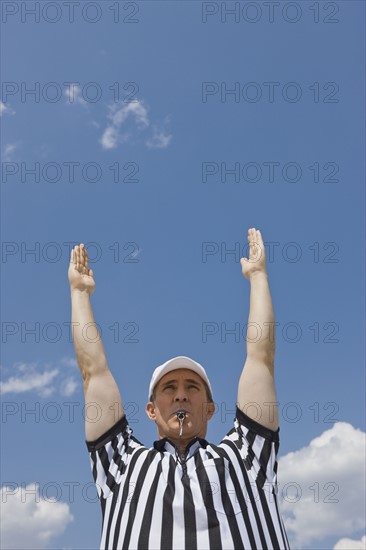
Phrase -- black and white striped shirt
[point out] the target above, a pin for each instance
(216, 497)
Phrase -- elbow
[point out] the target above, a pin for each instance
(90, 368)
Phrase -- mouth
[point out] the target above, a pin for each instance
(180, 411)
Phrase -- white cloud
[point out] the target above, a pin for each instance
(74, 96)
(349, 544)
(9, 150)
(6, 109)
(119, 115)
(44, 381)
(159, 139)
(30, 381)
(69, 362)
(136, 108)
(110, 138)
(28, 521)
(323, 480)
(69, 386)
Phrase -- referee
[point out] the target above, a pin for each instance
(185, 493)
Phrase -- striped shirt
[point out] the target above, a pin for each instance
(215, 497)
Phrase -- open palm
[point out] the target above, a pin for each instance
(79, 274)
(257, 254)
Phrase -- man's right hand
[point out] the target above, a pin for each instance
(100, 388)
(80, 276)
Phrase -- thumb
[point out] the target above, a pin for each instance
(243, 260)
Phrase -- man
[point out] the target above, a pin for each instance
(185, 493)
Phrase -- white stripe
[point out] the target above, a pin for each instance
(242, 526)
(142, 501)
(130, 495)
(157, 517)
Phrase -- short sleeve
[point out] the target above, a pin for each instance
(109, 456)
(258, 447)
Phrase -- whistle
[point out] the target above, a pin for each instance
(181, 416)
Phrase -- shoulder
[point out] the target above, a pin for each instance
(243, 423)
(120, 432)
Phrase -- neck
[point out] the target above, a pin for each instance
(182, 443)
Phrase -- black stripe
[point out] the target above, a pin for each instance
(111, 514)
(213, 523)
(136, 495)
(146, 520)
(190, 527)
(283, 532)
(94, 471)
(167, 516)
(117, 458)
(228, 507)
(102, 505)
(251, 496)
(269, 519)
(265, 454)
(254, 426)
(134, 459)
(110, 481)
(263, 461)
(239, 493)
(250, 438)
(243, 506)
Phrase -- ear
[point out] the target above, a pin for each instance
(150, 410)
(209, 410)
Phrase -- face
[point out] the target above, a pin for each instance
(181, 389)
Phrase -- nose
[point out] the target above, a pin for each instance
(177, 398)
(181, 394)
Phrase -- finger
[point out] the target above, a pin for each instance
(260, 242)
(81, 252)
(83, 258)
(252, 241)
(91, 273)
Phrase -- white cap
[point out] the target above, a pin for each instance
(180, 362)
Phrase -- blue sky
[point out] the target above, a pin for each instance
(161, 236)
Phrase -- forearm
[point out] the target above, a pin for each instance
(261, 328)
(87, 340)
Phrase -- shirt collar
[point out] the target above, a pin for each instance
(165, 445)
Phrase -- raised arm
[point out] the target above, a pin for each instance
(103, 404)
(256, 392)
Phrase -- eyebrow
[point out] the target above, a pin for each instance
(186, 380)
